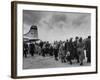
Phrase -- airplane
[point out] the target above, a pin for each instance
(32, 35)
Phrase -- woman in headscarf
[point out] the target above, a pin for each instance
(80, 50)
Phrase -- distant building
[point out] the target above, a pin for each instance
(32, 35)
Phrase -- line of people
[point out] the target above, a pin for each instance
(66, 51)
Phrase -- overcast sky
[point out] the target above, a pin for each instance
(57, 25)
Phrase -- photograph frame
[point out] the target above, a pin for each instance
(14, 35)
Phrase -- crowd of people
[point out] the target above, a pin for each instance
(65, 51)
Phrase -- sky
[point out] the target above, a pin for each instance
(57, 25)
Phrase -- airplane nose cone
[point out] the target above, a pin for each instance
(33, 27)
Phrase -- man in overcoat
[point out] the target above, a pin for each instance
(32, 49)
(88, 49)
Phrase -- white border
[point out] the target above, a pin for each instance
(30, 72)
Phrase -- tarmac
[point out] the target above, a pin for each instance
(38, 62)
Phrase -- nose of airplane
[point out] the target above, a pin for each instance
(33, 27)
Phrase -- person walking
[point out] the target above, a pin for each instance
(80, 50)
(32, 49)
(75, 43)
(88, 49)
